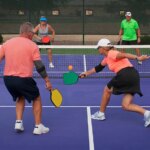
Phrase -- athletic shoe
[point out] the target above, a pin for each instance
(98, 116)
(140, 62)
(19, 126)
(51, 65)
(39, 129)
(147, 119)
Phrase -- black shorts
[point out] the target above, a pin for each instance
(18, 86)
(126, 81)
(40, 43)
(129, 42)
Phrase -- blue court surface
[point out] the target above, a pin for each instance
(71, 127)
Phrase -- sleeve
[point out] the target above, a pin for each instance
(36, 53)
(112, 54)
(104, 61)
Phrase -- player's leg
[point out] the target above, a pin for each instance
(124, 43)
(105, 99)
(37, 111)
(137, 50)
(129, 106)
(20, 103)
(100, 115)
(50, 58)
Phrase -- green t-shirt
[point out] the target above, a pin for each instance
(129, 29)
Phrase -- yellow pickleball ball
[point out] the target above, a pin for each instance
(70, 67)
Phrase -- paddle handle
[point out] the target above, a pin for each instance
(82, 75)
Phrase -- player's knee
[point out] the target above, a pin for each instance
(49, 51)
(125, 106)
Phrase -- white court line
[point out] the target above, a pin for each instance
(90, 46)
(11, 106)
(84, 62)
(90, 129)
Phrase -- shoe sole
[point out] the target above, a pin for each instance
(19, 131)
(147, 125)
(101, 119)
(40, 133)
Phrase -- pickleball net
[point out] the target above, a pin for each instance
(83, 58)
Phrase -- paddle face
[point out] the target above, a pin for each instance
(46, 39)
(70, 78)
(56, 97)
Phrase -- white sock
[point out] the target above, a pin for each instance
(146, 113)
(18, 121)
(101, 112)
(37, 125)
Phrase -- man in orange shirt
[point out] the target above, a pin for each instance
(126, 81)
(21, 54)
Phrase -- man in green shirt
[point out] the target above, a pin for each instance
(130, 33)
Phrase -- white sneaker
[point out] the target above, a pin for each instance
(98, 116)
(19, 126)
(39, 129)
(147, 119)
(51, 65)
(140, 62)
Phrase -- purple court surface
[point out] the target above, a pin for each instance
(71, 127)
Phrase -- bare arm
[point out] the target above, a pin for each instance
(97, 68)
(131, 56)
(35, 31)
(120, 34)
(138, 35)
(51, 30)
(42, 71)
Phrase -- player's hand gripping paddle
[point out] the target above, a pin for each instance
(56, 97)
(45, 39)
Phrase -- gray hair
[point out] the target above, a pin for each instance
(26, 27)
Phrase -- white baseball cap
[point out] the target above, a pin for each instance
(128, 14)
(103, 43)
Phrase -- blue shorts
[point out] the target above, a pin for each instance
(18, 87)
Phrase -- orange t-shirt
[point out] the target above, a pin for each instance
(19, 54)
(114, 64)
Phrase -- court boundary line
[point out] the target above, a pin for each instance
(44, 106)
(109, 72)
(90, 46)
(90, 129)
(84, 63)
